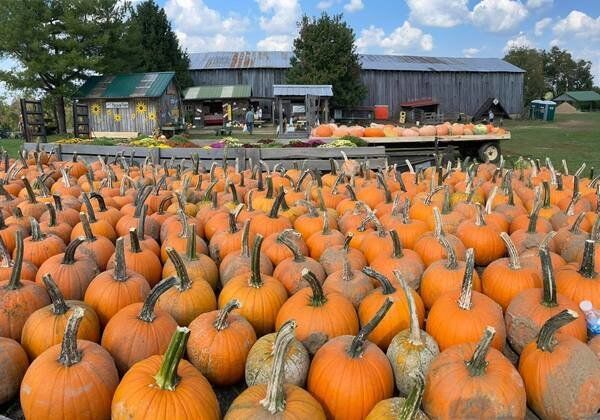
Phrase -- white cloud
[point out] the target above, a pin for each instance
(578, 24)
(535, 4)
(216, 42)
(402, 39)
(541, 25)
(275, 43)
(470, 52)
(324, 4)
(498, 15)
(519, 41)
(354, 6)
(440, 13)
(279, 16)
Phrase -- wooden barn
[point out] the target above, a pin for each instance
(457, 85)
(129, 103)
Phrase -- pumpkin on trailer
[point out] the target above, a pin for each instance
(86, 373)
(351, 283)
(582, 284)
(276, 397)
(349, 374)
(40, 246)
(164, 386)
(402, 408)
(219, 344)
(13, 364)
(99, 248)
(474, 380)
(561, 374)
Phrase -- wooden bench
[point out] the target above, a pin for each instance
(115, 134)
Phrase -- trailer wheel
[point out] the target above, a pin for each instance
(489, 152)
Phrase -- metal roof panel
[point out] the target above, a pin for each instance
(302, 90)
(217, 92)
(133, 85)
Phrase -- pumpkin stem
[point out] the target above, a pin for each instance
(185, 227)
(397, 244)
(276, 204)
(89, 208)
(356, 348)
(411, 404)
(255, 276)
(184, 278)
(147, 312)
(477, 364)
(141, 199)
(120, 270)
(269, 193)
(513, 254)
(479, 219)
(347, 240)
(15, 275)
(452, 263)
(405, 210)
(587, 268)
(274, 402)
(285, 239)
(101, 202)
(141, 227)
(164, 204)
(546, 188)
(386, 284)
(245, 249)
(490, 200)
(52, 212)
(221, 321)
(134, 241)
(166, 378)
(414, 327)
(29, 189)
(5, 258)
(386, 190)
(87, 229)
(318, 297)
(351, 192)
(59, 306)
(301, 180)
(312, 209)
(36, 232)
(575, 227)
(466, 291)
(546, 240)
(69, 255)
(347, 273)
(429, 196)
(533, 218)
(549, 298)
(546, 340)
(69, 354)
(232, 218)
(438, 224)
(326, 230)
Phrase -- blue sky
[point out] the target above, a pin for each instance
(457, 28)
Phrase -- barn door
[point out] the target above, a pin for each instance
(81, 120)
(312, 110)
(34, 127)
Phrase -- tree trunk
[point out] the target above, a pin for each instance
(60, 114)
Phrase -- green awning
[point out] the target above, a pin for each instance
(196, 93)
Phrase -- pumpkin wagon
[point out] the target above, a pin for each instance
(169, 290)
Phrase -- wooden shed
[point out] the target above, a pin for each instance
(136, 102)
(583, 100)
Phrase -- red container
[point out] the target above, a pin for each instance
(382, 112)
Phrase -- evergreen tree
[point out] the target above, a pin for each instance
(325, 53)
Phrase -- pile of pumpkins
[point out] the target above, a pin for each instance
(137, 290)
(389, 130)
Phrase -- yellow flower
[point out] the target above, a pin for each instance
(117, 117)
(152, 116)
(133, 116)
(140, 108)
(109, 112)
(96, 109)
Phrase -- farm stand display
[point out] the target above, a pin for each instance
(193, 265)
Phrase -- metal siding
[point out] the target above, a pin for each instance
(240, 59)
(261, 80)
(217, 92)
(302, 90)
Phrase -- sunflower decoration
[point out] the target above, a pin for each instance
(109, 112)
(96, 109)
(117, 117)
(140, 108)
(152, 116)
(133, 116)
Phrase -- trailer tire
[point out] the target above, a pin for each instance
(490, 152)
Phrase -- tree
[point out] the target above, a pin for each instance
(57, 43)
(9, 114)
(564, 73)
(325, 53)
(532, 61)
(150, 44)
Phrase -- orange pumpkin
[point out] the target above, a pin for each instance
(582, 284)
(13, 363)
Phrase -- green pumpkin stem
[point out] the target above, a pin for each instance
(318, 297)
(15, 275)
(438, 223)
(546, 338)
(549, 296)
(134, 241)
(89, 208)
(57, 202)
(52, 212)
(546, 199)
(69, 353)
(29, 189)
(190, 244)
(397, 245)
(274, 402)
(141, 225)
(184, 278)
(479, 218)
(87, 229)
(147, 312)
(255, 276)
(575, 227)
(533, 218)
(69, 255)
(351, 192)
(466, 291)
(587, 268)
(285, 238)
(166, 378)
(414, 327)
(357, 346)
(410, 406)
(59, 306)
(120, 270)
(452, 261)
(513, 254)
(386, 284)
(477, 364)
(326, 229)
(101, 203)
(273, 214)
(221, 321)
(347, 240)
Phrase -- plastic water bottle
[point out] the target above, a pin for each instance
(592, 316)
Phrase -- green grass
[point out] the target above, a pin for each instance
(574, 137)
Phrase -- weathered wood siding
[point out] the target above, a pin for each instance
(261, 80)
(456, 91)
(159, 111)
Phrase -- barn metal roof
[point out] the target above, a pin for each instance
(302, 90)
(281, 60)
(217, 92)
(579, 96)
(133, 85)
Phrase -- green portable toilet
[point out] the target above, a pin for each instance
(542, 110)
(549, 110)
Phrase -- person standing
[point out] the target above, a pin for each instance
(491, 116)
(250, 120)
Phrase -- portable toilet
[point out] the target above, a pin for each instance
(542, 110)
